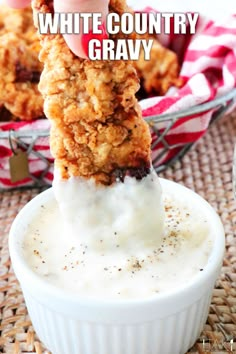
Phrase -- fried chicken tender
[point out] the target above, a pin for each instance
(97, 128)
(19, 65)
(160, 72)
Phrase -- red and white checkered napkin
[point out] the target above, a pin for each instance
(208, 70)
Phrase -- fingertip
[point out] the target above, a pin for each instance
(86, 38)
(74, 43)
(77, 42)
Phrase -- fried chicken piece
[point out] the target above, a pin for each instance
(19, 22)
(97, 127)
(160, 72)
(19, 65)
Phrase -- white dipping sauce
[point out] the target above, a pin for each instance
(115, 214)
(124, 247)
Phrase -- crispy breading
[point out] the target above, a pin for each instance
(19, 65)
(17, 21)
(160, 72)
(97, 127)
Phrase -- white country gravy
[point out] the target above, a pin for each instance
(120, 242)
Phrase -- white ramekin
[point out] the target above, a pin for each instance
(167, 323)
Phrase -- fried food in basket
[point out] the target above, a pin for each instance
(19, 65)
(159, 73)
(97, 126)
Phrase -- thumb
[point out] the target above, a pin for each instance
(74, 41)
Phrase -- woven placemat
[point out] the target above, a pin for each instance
(206, 169)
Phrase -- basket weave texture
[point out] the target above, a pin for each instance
(207, 169)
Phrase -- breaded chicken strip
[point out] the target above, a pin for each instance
(97, 128)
